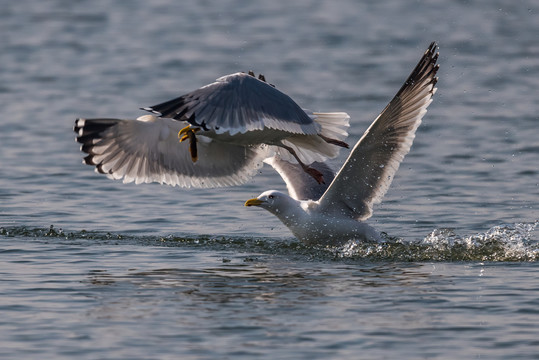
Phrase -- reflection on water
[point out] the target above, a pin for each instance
(243, 283)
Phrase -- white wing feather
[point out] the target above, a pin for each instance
(147, 150)
(369, 170)
(300, 185)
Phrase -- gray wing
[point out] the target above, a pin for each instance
(147, 150)
(238, 103)
(369, 170)
(300, 185)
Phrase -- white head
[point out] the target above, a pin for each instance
(275, 202)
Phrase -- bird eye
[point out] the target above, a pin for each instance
(270, 196)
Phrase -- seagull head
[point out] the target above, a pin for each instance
(285, 208)
(274, 201)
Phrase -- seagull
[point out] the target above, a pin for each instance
(225, 129)
(334, 213)
(245, 110)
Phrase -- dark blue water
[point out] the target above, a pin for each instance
(92, 268)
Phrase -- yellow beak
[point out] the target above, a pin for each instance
(253, 202)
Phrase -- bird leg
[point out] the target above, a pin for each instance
(317, 175)
(189, 132)
(334, 141)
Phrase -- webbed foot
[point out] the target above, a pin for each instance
(317, 175)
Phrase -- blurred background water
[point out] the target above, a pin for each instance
(94, 268)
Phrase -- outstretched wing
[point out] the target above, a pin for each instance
(147, 150)
(369, 170)
(300, 185)
(238, 103)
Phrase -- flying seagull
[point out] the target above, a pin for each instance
(231, 126)
(318, 213)
(242, 109)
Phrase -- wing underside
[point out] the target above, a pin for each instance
(149, 151)
(300, 185)
(369, 170)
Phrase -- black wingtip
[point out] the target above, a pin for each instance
(434, 81)
(78, 126)
(432, 47)
(427, 66)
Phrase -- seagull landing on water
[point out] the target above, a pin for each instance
(231, 125)
(317, 213)
(244, 110)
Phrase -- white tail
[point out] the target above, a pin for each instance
(313, 148)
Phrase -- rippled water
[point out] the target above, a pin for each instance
(92, 268)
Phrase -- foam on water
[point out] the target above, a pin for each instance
(514, 242)
(500, 243)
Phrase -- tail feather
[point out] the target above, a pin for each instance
(319, 147)
(334, 124)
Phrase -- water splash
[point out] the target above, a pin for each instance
(500, 243)
(58, 233)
